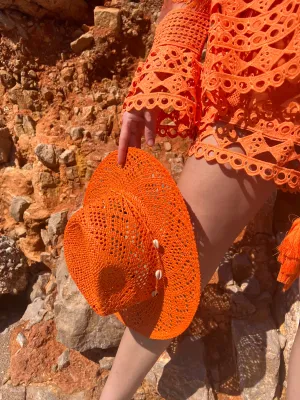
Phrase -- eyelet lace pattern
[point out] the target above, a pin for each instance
(170, 77)
(250, 81)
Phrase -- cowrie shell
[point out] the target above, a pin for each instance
(156, 243)
(154, 293)
(158, 274)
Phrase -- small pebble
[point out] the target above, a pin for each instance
(167, 146)
(21, 339)
(63, 360)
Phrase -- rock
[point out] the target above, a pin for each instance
(46, 180)
(41, 393)
(21, 339)
(35, 312)
(35, 216)
(68, 157)
(18, 205)
(45, 237)
(38, 289)
(71, 173)
(63, 360)
(6, 23)
(64, 9)
(57, 223)
(167, 146)
(250, 286)
(78, 326)
(258, 357)
(29, 125)
(183, 374)
(241, 267)
(76, 133)
(106, 362)
(224, 271)
(5, 145)
(67, 74)
(47, 94)
(107, 18)
(241, 306)
(13, 267)
(7, 80)
(47, 259)
(9, 392)
(47, 155)
(84, 42)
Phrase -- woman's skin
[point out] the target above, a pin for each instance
(221, 202)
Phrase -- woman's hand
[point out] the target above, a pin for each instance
(135, 124)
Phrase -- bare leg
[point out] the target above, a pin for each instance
(221, 201)
(293, 383)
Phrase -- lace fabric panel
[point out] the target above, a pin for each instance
(170, 77)
(251, 82)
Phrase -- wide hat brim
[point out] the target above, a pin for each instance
(169, 313)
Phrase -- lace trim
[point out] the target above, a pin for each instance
(287, 179)
(170, 77)
(252, 45)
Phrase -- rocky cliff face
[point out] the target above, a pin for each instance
(62, 84)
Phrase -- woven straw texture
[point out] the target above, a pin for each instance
(110, 253)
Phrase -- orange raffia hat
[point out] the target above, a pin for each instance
(131, 248)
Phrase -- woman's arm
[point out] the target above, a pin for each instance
(165, 92)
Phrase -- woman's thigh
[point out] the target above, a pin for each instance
(221, 202)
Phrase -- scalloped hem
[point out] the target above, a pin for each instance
(287, 180)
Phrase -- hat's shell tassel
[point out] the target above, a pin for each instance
(289, 256)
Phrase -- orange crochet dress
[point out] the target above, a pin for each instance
(242, 105)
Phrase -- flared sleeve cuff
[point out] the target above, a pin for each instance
(170, 77)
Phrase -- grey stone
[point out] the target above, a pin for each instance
(106, 362)
(63, 360)
(84, 42)
(21, 339)
(258, 357)
(291, 303)
(76, 133)
(107, 18)
(46, 154)
(5, 145)
(35, 312)
(46, 180)
(29, 125)
(182, 375)
(78, 326)
(9, 392)
(57, 223)
(38, 289)
(41, 393)
(68, 157)
(18, 205)
(72, 173)
(45, 237)
(13, 267)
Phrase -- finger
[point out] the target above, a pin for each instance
(123, 142)
(150, 127)
(136, 131)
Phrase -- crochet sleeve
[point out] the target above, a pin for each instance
(169, 79)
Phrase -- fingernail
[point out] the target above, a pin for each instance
(150, 142)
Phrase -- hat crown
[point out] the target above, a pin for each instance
(115, 229)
